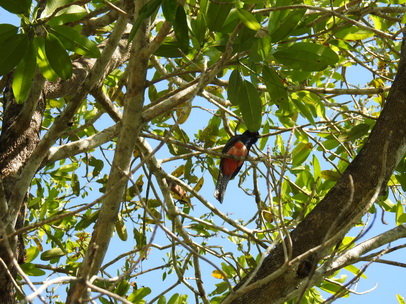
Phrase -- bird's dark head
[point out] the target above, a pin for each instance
(250, 138)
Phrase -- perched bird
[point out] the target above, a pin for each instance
(238, 145)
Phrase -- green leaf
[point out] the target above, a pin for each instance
(286, 25)
(31, 254)
(58, 57)
(146, 11)
(177, 299)
(162, 300)
(52, 5)
(275, 87)
(75, 42)
(32, 270)
(248, 19)
(277, 17)
(400, 214)
(169, 8)
(300, 153)
(307, 56)
(42, 60)
(168, 49)
(234, 84)
(139, 294)
(303, 108)
(250, 105)
(357, 132)
(121, 230)
(16, 6)
(7, 31)
(69, 14)
(122, 288)
(355, 270)
(217, 14)
(354, 33)
(51, 254)
(330, 175)
(199, 28)
(12, 51)
(180, 27)
(23, 75)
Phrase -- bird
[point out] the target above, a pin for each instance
(238, 145)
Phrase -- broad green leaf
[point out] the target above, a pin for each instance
(330, 287)
(199, 28)
(177, 299)
(139, 294)
(263, 47)
(168, 49)
(122, 288)
(276, 88)
(52, 5)
(58, 57)
(354, 33)
(183, 112)
(300, 153)
(355, 270)
(23, 75)
(357, 132)
(31, 254)
(42, 60)
(250, 105)
(51, 254)
(162, 300)
(68, 168)
(277, 17)
(7, 31)
(69, 14)
(234, 85)
(316, 167)
(16, 6)
(231, 21)
(287, 25)
(400, 214)
(121, 230)
(330, 175)
(248, 19)
(217, 14)
(181, 29)
(32, 270)
(12, 51)
(75, 184)
(169, 8)
(307, 56)
(87, 219)
(146, 11)
(303, 108)
(75, 42)
(263, 140)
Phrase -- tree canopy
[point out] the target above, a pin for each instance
(114, 117)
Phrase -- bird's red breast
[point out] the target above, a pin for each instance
(229, 165)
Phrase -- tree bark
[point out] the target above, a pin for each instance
(19, 137)
(353, 194)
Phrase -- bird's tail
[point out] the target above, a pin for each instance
(221, 186)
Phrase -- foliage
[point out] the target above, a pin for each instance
(286, 68)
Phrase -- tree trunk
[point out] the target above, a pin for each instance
(352, 196)
(19, 137)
